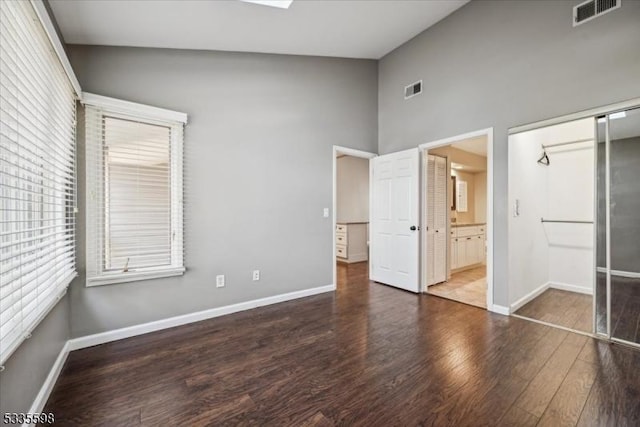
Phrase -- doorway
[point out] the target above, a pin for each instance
(551, 229)
(351, 207)
(457, 217)
(574, 229)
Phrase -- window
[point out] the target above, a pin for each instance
(37, 175)
(134, 191)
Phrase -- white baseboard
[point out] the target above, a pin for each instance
(500, 309)
(364, 256)
(571, 288)
(43, 395)
(144, 328)
(529, 297)
(554, 285)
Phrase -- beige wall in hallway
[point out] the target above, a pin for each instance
(480, 197)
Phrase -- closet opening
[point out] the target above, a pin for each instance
(551, 229)
(457, 201)
(351, 207)
(574, 226)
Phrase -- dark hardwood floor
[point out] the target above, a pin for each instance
(625, 307)
(368, 355)
(569, 309)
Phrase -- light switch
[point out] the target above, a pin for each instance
(220, 281)
(325, 212)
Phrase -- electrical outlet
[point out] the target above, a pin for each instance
(325, 212)
(220, 281)
(256, 275)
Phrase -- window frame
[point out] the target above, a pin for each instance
(120, 109)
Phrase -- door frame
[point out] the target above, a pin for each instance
(488, 132)
(337, 149)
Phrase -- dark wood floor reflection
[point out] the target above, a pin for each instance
(625, 307)
(368, 355)
(569, 309)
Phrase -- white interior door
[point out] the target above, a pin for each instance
(436, 219)
(394, 219)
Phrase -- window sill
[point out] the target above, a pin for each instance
(134, 276)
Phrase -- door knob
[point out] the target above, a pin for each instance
(413, 228)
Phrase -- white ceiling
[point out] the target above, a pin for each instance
(340, 28)
(477, 145)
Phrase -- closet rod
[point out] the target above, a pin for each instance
(565, 221)
(578, 141)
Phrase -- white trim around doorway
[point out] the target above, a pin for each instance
(488, 132)
(353, 153)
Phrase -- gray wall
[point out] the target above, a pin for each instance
(501, 64)
(258, 171)
(28, 367)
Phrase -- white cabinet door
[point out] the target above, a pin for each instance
(454, 253)
(470, 247)
(395, 219)
(463, 255)
(475, 243)
(482, 253)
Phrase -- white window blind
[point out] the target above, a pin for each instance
(37, 175)
(134, 200)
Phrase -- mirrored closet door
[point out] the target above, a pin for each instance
(617, 299)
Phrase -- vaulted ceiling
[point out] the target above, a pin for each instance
(340, 28)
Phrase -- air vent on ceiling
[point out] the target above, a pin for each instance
(413, 89)
(592, 9)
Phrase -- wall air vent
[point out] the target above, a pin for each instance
(592, 9)
(413, 89)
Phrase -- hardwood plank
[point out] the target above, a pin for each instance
(317, 420)
(531, 362)
(615, 395)
(567, 404)
(367, 355)
(518, 417)
(562, 308)
(545, 384)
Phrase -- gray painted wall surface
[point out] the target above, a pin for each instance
(258, 171)
(28, 367)
(502, 64)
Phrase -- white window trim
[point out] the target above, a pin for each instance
(141, 111)
(50, 30)
(154, 115)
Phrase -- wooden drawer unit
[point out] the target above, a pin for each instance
(351, 242)
(467, 231)
(341, 239)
